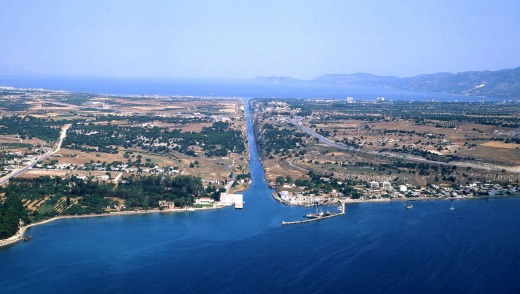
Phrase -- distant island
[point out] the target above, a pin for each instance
(503, 83)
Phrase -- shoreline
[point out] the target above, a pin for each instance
(387, 200)
(19, 235)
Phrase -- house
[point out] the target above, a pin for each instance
(166, 204)
(373, 185)
(204, 201)
(386, 185)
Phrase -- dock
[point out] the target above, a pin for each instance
(316, 219)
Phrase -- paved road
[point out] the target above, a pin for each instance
(342, 146)
(230, 183)
(44, 156)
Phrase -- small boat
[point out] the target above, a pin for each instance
(409, 206)
(28, 238)
(311, 215)
(452, 208)
(318, 214)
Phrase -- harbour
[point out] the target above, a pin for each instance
(318, 216)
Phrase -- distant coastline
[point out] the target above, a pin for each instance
(253, 88)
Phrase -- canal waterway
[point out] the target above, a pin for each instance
(374, 248)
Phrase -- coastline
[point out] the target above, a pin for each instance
(21, 231)
(386, 200)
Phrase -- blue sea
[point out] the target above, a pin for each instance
(374, 248)
(217, 88)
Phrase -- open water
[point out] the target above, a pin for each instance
(218, 88)
(374, 248)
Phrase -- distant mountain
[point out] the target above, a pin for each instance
(500, 84)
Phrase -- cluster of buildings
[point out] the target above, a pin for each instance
(301, 199)
(376, 190)
(10, 161)
(226, 199)
(385, 190)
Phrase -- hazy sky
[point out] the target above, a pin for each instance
(244, 39)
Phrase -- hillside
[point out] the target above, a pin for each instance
(499, 84)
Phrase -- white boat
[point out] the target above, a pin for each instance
(319, 213)
(409, 206)
(452, 207)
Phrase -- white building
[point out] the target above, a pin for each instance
(204, 201)
(232, 199)
(386, 185)
(373, 185)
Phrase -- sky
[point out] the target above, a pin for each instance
(244, 39)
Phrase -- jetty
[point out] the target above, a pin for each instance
(343, 211)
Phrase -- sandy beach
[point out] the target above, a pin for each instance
(21, 232)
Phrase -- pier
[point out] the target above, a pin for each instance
(343, 211)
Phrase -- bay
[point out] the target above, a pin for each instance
(217, 88)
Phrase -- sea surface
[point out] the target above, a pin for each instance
(374, 248)
(218, 88)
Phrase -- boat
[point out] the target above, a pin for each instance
(311, 215)
(452, 207)
(28, 238)
(318, 213)
(409, 206)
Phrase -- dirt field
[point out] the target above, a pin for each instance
(495, 144)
